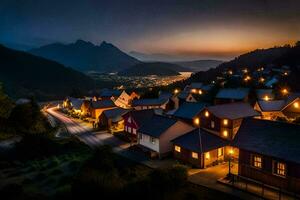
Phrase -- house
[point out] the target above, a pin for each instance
(134, 119)
(97, 107)
(265, 94)
(200, 148)
(156, 134)
(270, 110)
(123, 101)
(292, 107)
(112, 119)
(173, 100)
(269, 153)
(224, 120)
(189, 111)
(198, 88)
(143, 104)
(73, 104)
(230, 95)
(185, 96)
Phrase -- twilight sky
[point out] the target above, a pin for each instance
(191, 28)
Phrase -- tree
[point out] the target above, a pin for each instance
(297, 44)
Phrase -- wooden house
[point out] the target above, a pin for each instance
(134, 119)
(269, 153)
(97, 107)
(224, 120)
(230, 95)
(270, 110)
(185, 96)
(200, 148)
(189, 111)
(112, 119)
(123, 101)
(155, 135)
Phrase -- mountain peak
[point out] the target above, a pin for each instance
(82, 42)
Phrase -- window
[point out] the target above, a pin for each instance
(129, 119)
(129, 129)
(194, 155)
(133, 130)
(257, 161)
(206, 114)
(225, 122)
(177, 148)
(212, 124)
(220, 152)
(225, 133)
(207, 155)
(279, 168)
(152, 140)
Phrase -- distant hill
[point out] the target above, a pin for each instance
(200, 65)
(24, 74)
(85, 56)
(153, 68)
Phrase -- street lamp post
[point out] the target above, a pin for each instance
(229, 162)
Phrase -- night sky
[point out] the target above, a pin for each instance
(202, 28)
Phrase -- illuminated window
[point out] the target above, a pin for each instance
(212, 124)
(220, 152)
(225, 133)
(207, 155)
(178, 148)
(225, 122)
(197, 121)
(200, 91)
(296, 105)
(257, 161)
(279, 168)
(206, 114)
(195, 155)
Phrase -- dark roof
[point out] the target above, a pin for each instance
(268, 106)
(115, 114)
(141, 116)
(196, 85)
(188, 110)
(233, 93)
(292, 97)
(157, 125)
(148, 102)
(102, 104)
(233, 110)
(76, 103)
(191, 141)
(165, 95)
(109, 93)
(276, 139)
(261, 93)
(183, 94)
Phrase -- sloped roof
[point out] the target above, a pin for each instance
(76, 103)
(188, 110)
(165, 95)
(292, 97)
(233, 93)
(268, 106)
(157, 125)
(102, 104)
(196, 85)
(183, 94)
(277, 139)
(148, 102)
(233, 110)
(115, 114)
(191, 141)
(141, 116)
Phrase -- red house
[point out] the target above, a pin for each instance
(134, 119)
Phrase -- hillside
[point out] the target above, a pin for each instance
(199, 65)
(24, 74)
(85, 56)
(154, 68)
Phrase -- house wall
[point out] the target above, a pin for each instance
(95, 113)
(130, 126)
(291, 182)
(291, 111)
(145, 140)
(213, 158)
(178, 129)
(185, 156)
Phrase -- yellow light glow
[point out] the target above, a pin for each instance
(296, 105)
(206, 114)
(197, 121)
(231, 151)
(194, 91)
(266, 98)
(225, 122)
(285, 91)
(195, 155)
(247, 78)
(230, 72)
(200, 92)
(176, 91)
(261, 80)
(285, 73)
(178, 148)
(207, 155)
(225, 133)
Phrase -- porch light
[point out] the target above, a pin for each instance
(230, 152)
(296, 105)
(284, 91)
(206, 114)
(200, 92)
(225, 122)
(266, 98)
(197, 121)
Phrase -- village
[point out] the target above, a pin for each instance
(251, 131)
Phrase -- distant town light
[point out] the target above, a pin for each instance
(194, 91)
(261, 80)
(206, 114)
(247, 78)
(176, 91)
(200, 92)
(296, 105)
(230, 72)
(284, 91)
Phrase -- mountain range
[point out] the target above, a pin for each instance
(24, 75)
(85, 56)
